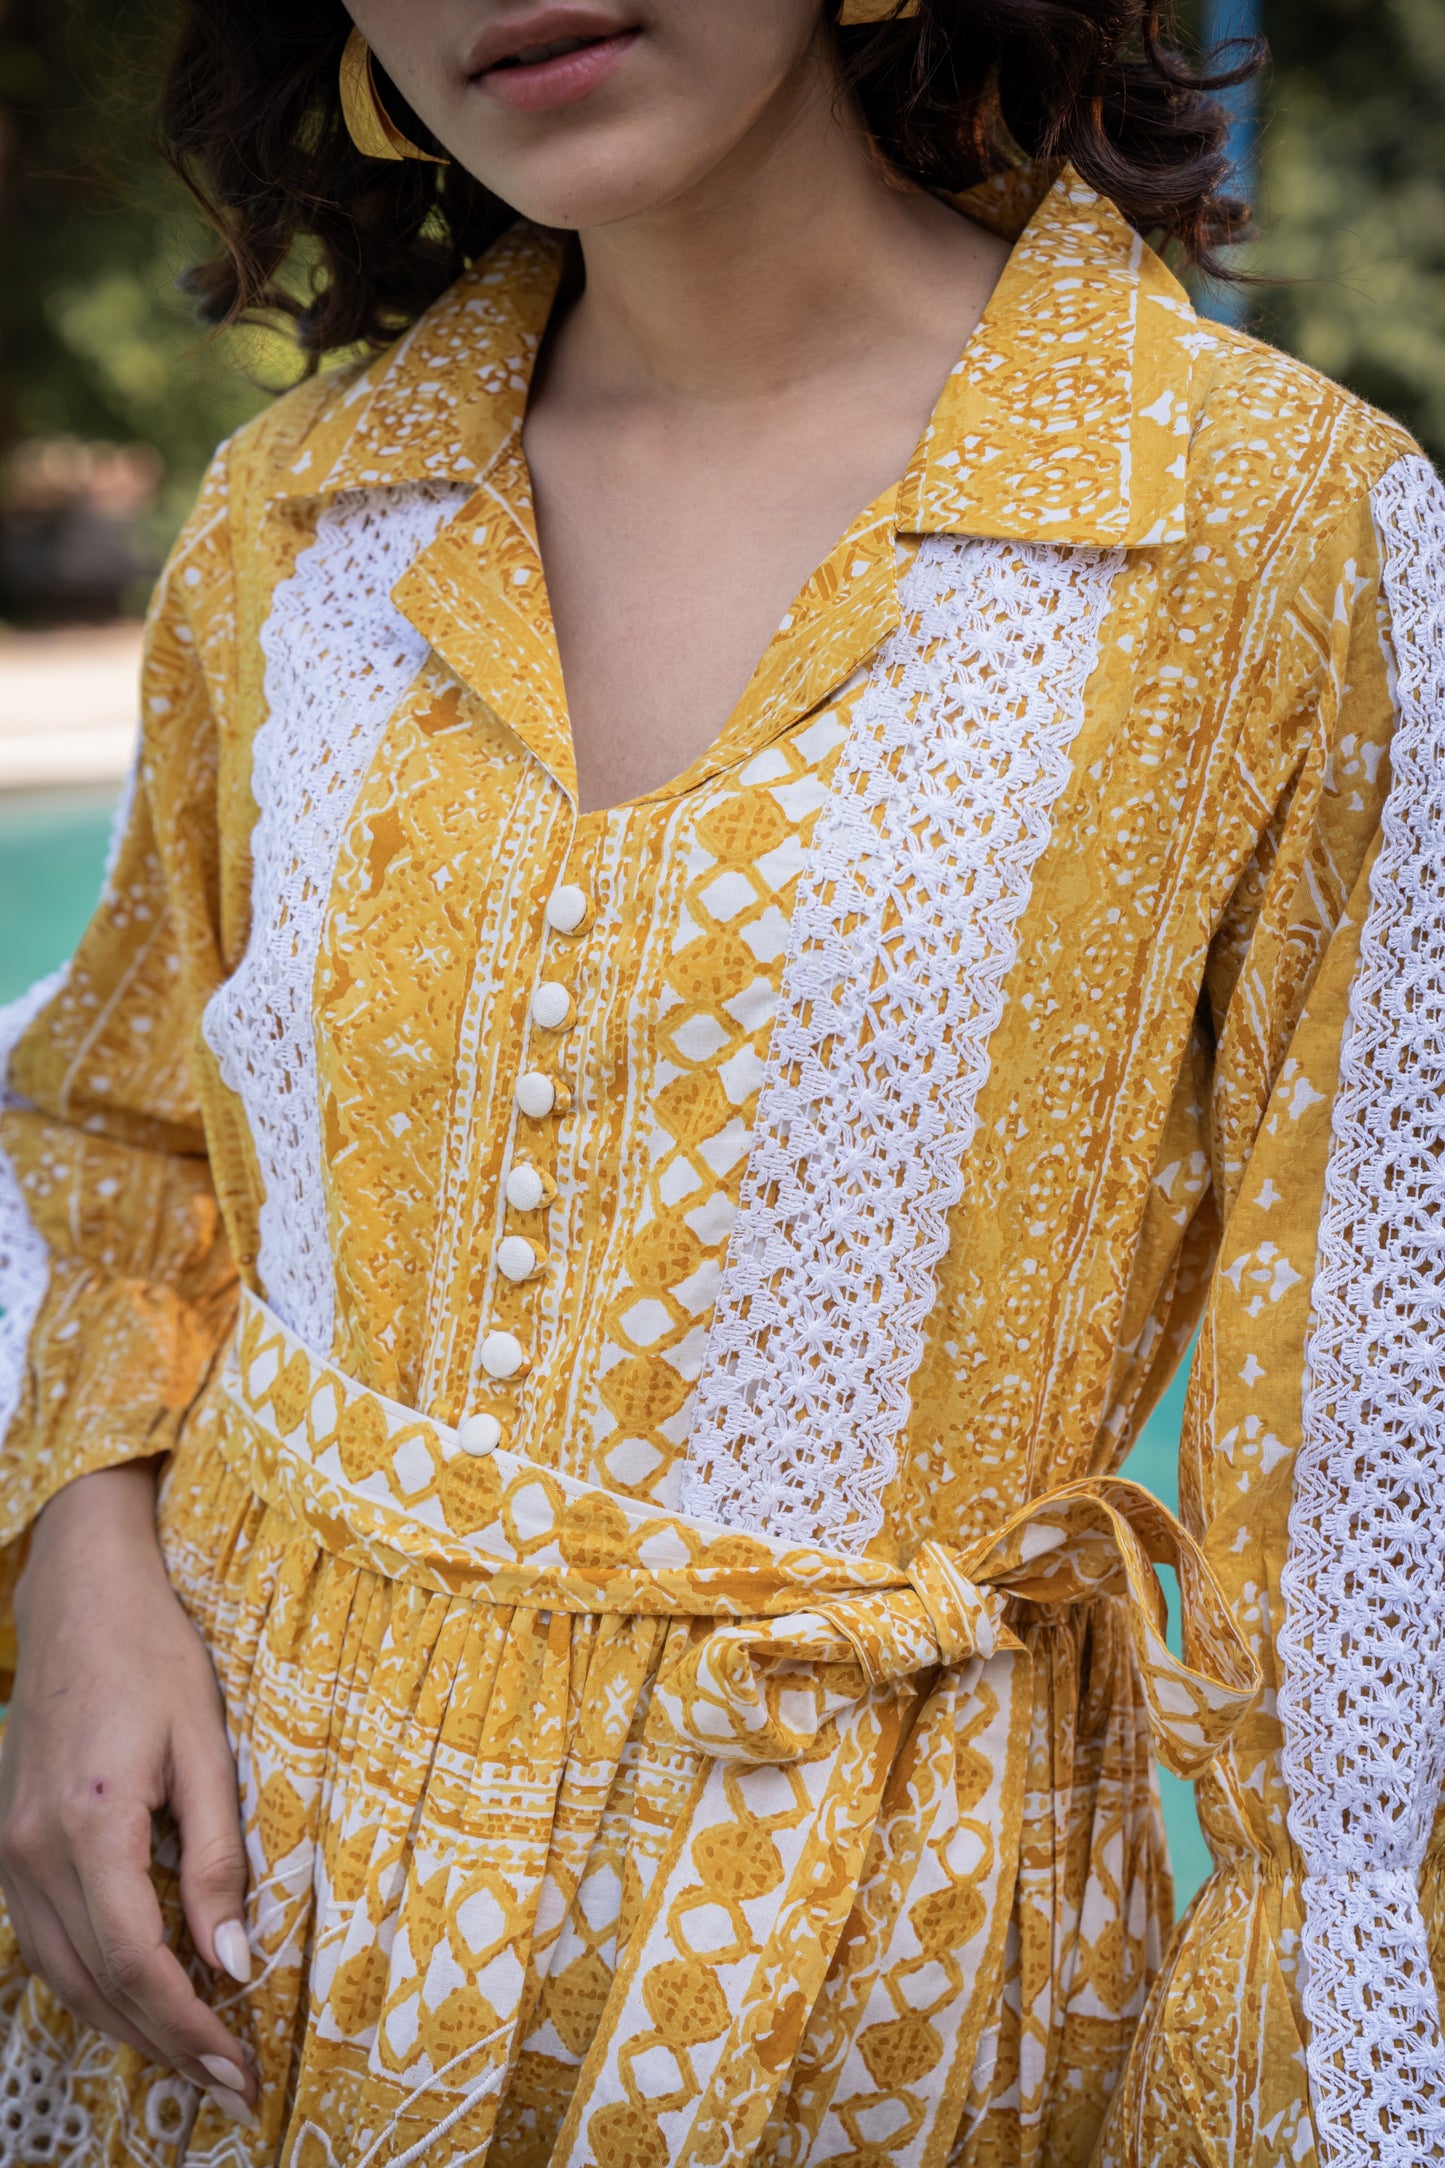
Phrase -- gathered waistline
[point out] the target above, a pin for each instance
(392, 1486)
(858, 1729)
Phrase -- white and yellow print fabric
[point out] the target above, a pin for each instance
(654, 1749)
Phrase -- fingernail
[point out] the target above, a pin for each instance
(225, 2072)
(233, 1951)
(232, 2104)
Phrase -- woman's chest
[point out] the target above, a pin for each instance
(546, 1080)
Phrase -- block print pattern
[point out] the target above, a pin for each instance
(582, 1830)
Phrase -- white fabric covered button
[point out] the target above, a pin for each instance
(536, 1094)
(526, 1191)
(551, 1005)
(479, 1435)
(566, 909)
(516, 1258)
(503, 1355)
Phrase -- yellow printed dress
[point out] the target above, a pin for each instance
(644, 1309)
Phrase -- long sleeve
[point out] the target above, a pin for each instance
(1296, 2017)
(1363, 1639)
(115, 1274)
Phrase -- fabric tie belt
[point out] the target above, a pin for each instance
(844, 1866)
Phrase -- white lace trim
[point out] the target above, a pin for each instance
(24, 1257)
(339, 656)
(1363, 1645)
(42, 2119)
(903, 933)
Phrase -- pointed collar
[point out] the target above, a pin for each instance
(440, 404)
(1067, 416)
(1065, 420)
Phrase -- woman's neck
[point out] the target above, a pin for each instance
(780, 267)
(743, 371)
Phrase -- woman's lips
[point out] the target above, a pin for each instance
(533, 86)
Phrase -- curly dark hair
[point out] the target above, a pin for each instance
(251, 119)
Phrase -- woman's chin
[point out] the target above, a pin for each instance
(588, 177)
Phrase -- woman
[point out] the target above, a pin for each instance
(635, 1146)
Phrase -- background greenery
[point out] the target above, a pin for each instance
(1353, 199)
(96, 342)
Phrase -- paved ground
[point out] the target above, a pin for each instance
(68, 705)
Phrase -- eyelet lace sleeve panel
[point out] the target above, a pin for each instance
(1363, 1646)
(24, 1258)
(339, 656)
(903, 933)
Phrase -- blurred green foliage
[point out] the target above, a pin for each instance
(1353, 199)
(96, 341)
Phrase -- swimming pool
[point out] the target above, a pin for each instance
(52, 848)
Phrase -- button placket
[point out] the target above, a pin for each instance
(520, 1256)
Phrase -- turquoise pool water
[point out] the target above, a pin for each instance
(1154, 1462)
(52, 848)
(51, 852)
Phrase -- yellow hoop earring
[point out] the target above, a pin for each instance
(853, 12)
(369, 125)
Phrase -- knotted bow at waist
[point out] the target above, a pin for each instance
(843, 1869)
(764, 1691)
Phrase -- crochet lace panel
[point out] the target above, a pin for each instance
(902, 935)
(24, 1257)
(339, 656)
(1363, 1645)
